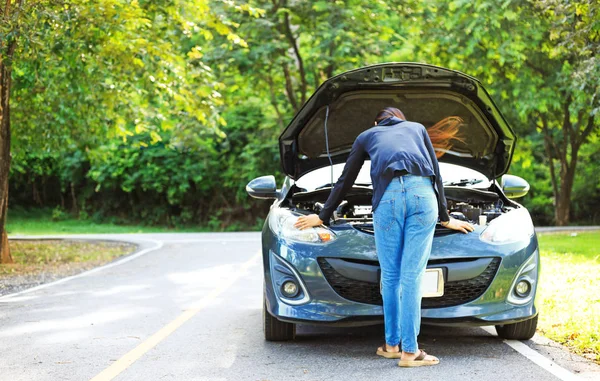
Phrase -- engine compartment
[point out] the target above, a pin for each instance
(465, 204)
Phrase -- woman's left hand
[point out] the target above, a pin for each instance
(305, 222)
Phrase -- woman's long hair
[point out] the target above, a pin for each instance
(443, 134)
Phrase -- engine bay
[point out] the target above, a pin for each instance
(466, 204)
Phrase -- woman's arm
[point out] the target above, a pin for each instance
(344, 183)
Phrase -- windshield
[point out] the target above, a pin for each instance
(451, 175)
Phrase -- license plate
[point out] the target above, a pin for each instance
(433, 283)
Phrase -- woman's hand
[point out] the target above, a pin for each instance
(305, 222)
(459, 225)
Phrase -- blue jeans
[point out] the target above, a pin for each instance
(404, 223)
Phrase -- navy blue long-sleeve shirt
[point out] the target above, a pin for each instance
(393, 146)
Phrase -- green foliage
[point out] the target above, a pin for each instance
(164, 177)
(516, 49)
(294, 46)
(528, 163)
(115, 68)
(153, 183)
(161, 111)
(58, 214)
(586, 189)
(250, 150)
(538, 59)
(90, 73)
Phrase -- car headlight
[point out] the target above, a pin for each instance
(513, 226)
(281, 222)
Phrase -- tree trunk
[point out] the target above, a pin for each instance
(563, 199)
(74, 207)
(5, 256)
(6, 55)
(566, 152)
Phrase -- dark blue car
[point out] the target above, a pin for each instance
(330, 274)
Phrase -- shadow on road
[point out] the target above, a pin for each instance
(363, 341)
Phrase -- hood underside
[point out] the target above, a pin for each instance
(426, 94)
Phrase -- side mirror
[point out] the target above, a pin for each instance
(262, 187)
(514, 186)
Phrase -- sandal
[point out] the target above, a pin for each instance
(420, 360)
(382, 351)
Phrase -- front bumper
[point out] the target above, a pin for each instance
(461, 256)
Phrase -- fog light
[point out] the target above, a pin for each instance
(522, 288)
(289, 289)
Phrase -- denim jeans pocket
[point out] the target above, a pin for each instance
(384, 216)
(426, 208)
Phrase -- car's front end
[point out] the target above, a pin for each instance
(330, 274)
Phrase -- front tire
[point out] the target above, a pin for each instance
(523, 330)
(276, 330)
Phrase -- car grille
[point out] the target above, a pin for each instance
(455, 293)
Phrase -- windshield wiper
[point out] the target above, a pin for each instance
(463, 182)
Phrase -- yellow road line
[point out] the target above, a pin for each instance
(132, 356)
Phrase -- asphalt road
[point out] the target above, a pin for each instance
(188, 307)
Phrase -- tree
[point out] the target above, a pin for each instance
(295, 45)
(540, 60)
(292, 47)
(8, 43)
(98, 69)
(575, 30)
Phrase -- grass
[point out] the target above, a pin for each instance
(61, 257)
(568, 294)
(40, 222)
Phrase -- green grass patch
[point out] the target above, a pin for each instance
(32, 257)
(568, 293)
(44, 221)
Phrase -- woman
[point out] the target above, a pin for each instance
(408, 198)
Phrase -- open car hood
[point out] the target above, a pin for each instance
(425, 94)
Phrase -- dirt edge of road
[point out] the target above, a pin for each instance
(51, 259)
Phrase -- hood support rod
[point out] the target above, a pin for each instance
(327, 148)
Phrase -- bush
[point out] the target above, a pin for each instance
(139, 182)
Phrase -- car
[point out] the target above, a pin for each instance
(329, 275)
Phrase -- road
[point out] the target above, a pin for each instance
(188, 307)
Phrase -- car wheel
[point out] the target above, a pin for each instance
(523, 330)
(276, 330)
